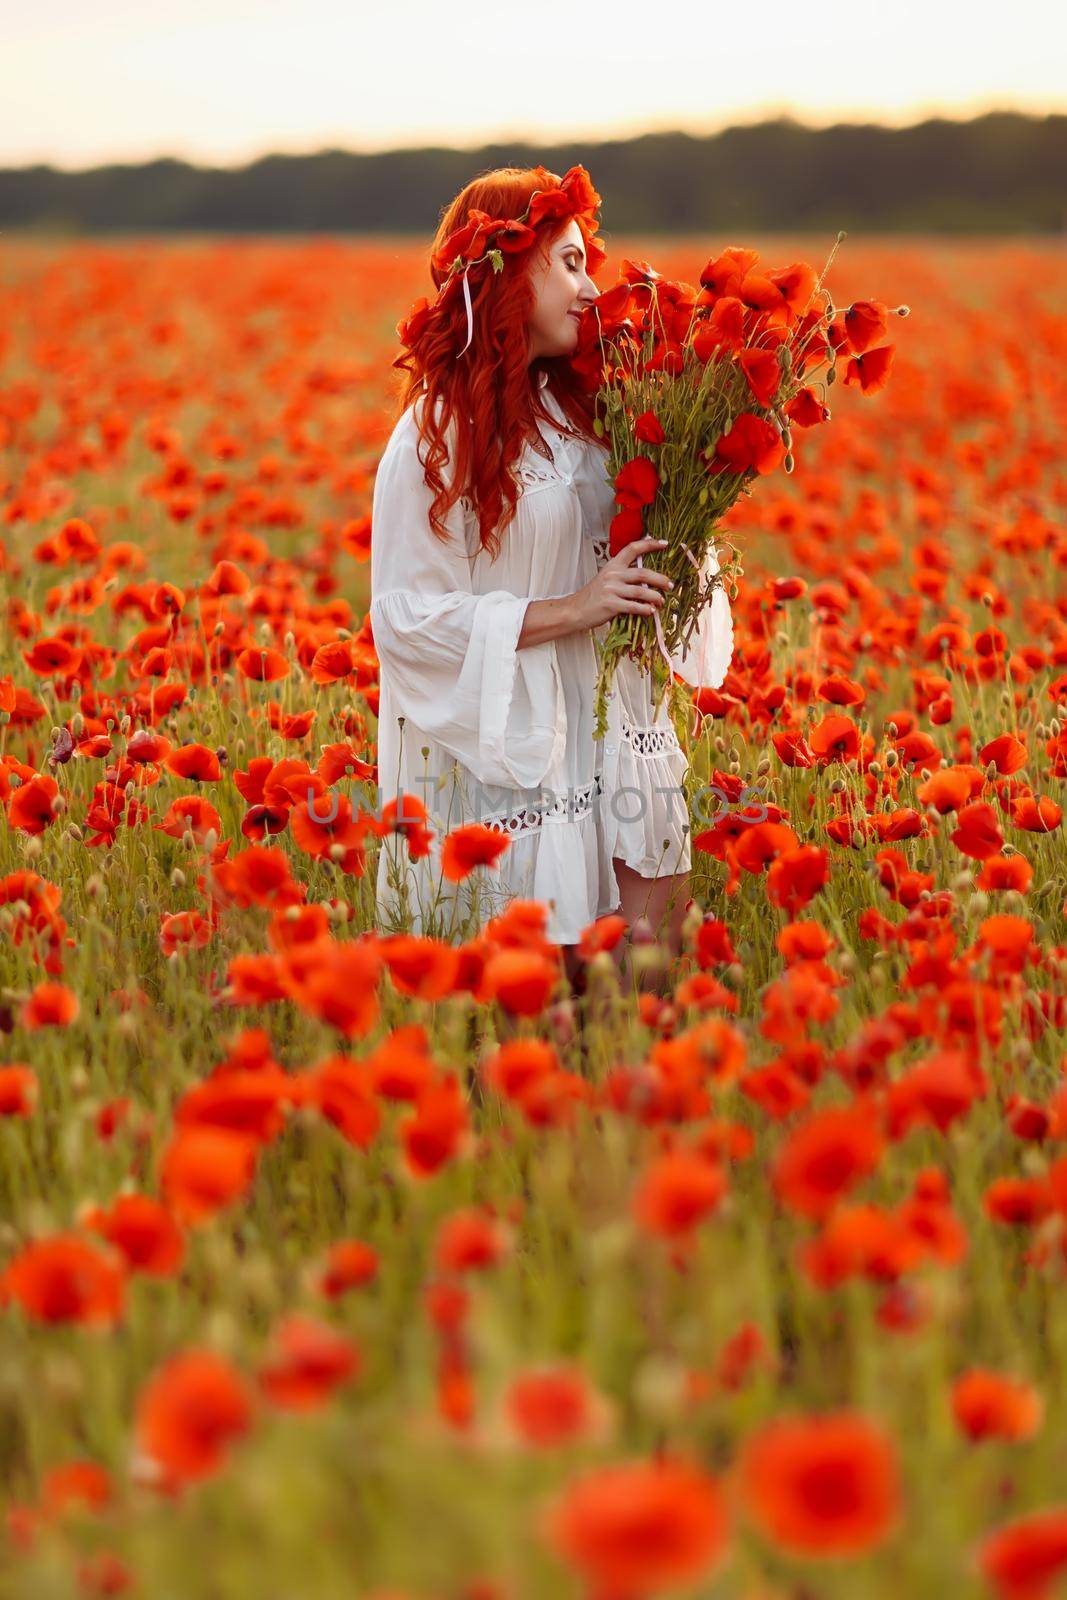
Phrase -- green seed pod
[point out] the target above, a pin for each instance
(598, 427)
(703, 496)
(788, 462)
(831, 376)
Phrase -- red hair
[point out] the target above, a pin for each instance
(486, 392)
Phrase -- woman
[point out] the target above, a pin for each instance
(489, 576)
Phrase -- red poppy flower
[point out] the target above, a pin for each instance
(143, 1230)
(195, 761)
(522, 981)
(822, 1486)
(34, 806)
(750, 444)
(188, 1415)
(636, 483)
(309, 1361)
(469, 1240)
(18, 1090)
(637, 1527)
(988, 1405)
(1023, 1559)
(66, 1279)
(205, 1169)
(554, 1407)
(469, 846)
(349, 1265)
(262, 665)
(825, 1158)
(870, 371)
(763, 372)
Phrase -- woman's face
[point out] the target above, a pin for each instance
(562, 288)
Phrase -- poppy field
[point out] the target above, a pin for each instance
(338, 1261)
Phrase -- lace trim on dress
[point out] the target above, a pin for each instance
(571, 807)
(601, 551)
(535, 477)
(656, 740)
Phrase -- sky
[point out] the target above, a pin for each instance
(221, 82)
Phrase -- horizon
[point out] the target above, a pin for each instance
(607, 136)
(226, 83)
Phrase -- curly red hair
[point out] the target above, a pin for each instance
(487, 392)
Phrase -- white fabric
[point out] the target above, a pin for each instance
(508, 732)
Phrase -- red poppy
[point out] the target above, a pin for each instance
(825, 1158)
(678, 1191)
(18, 1090)
(51, 1005)
(988, 1405)
(469, 1240)
(648, 428)
(64, 1278)
(349, 1265)
(1023, 1559)
(763, 371)
(438, 1130)
(261, 664)
(553, 1407)
(870, 371)
(469, 846)
(35, 805)
(749, 445)
(865, 322)
(205, 1169)
(522, 981)
(623, 529)
(309, 1361)
(637, 1527)
(196, 762)
(636, 484)
(822, 1486)
(189, 1413)
(143, 1230)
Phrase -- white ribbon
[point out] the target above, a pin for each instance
(470, 311)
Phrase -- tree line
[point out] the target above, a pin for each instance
(1002, 172)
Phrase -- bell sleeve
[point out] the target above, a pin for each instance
(705, 662)
(451, 655)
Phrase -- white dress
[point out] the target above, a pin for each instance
(501, 735)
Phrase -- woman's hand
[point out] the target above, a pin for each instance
(620, 586)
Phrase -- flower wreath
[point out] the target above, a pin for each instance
(484, 238)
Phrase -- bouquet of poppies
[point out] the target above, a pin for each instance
(699, 390)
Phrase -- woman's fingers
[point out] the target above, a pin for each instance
(642, 577)
(639, 596)
(638, 547)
